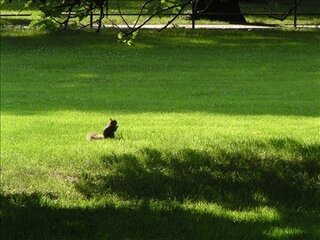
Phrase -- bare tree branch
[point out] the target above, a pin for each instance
(132, 30)
(286, 14)
(100, 17)
(66, 22)
(123, 19)
(141, 11)
(174, 18)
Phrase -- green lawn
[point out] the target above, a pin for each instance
(218, 135)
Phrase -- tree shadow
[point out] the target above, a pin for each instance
(24, 216)
(152, 188)
(233, 179)
(11, 22)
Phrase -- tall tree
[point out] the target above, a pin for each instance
(223, 10)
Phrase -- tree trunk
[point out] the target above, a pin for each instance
(211, 8)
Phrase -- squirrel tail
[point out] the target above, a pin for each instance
(94, 136)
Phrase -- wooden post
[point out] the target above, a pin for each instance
(295, 14)
(193, 16)
(91, 16)
(107, 7)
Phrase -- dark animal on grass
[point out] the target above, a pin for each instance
(108, 132)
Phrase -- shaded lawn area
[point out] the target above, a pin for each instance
(186, 195)
(218, 136)
(234, 72)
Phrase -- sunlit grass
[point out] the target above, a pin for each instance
(218, 133)
(284, 233)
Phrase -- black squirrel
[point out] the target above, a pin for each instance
(108, 131)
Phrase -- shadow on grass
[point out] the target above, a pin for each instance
(178, 71)
(160, 184)
(231, 178)
(25, 216)
(11, 22)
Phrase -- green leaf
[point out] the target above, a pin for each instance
(130, 42)
(120, 35)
